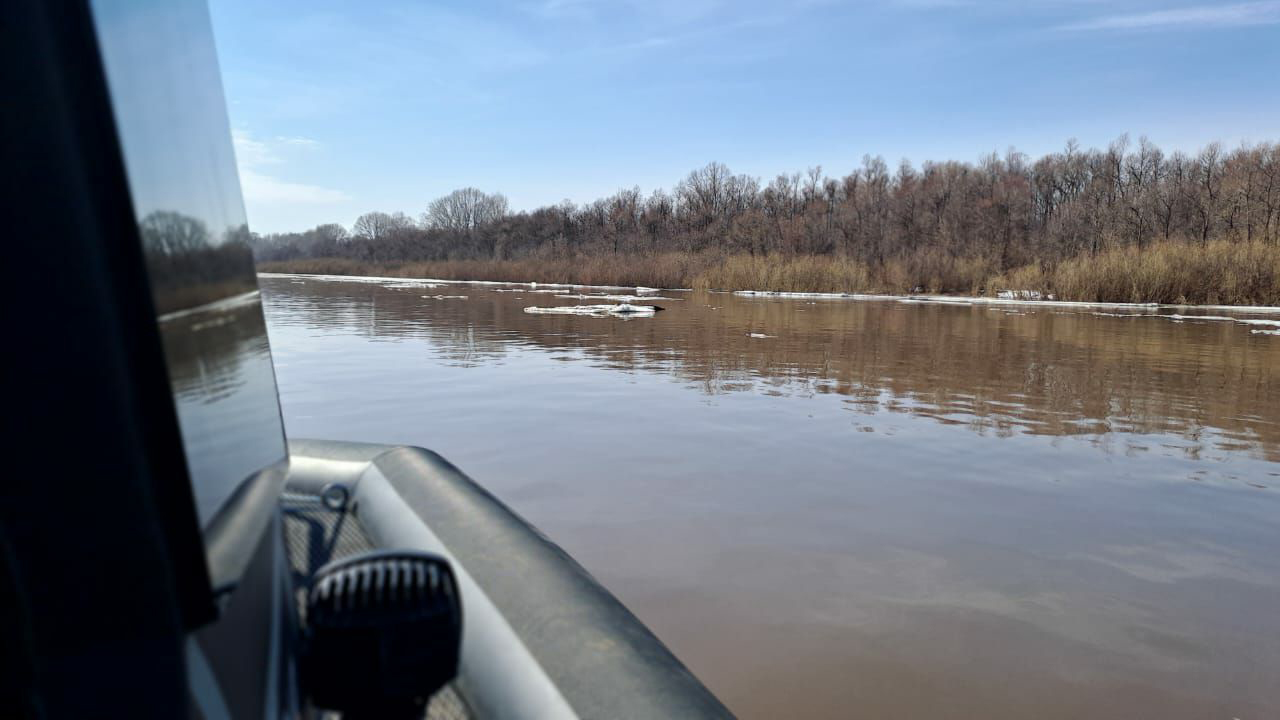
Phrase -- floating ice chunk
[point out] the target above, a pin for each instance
(619, 298)
(1223, 318)
(621, 310)
(759, 335)
(444, 297)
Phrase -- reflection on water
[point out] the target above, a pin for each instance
(878, 508)
(166, 97)
(225, 395)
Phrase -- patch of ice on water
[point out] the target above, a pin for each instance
(621, 310)
(619, 298)
(761, 336)
(813, 295)
(1245, 321)
(1265, 332)
(444, 297)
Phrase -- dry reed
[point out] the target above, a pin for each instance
(1219, 272)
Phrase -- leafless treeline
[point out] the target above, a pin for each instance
(1004, 212)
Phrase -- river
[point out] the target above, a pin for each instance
(837, 508)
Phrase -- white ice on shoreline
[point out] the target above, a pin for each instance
(416, 284)
(959, 300)
(621, 309)
(969, 300)
(1022, 295)
(419, 282)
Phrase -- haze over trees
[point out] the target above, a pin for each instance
(942, 225)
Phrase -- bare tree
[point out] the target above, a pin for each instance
(373, 226)
(918, 223)
(465, 209)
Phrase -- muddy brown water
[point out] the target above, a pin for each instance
(879, 509)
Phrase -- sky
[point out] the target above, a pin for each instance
(339, 108)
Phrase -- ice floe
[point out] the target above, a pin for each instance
(761, 336)
(444, 297)
(619, 298)
(1246, 321)
(1181, 318)
(621, 310)
(814, 295)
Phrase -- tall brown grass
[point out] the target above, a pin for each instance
(1220, 272)
(669, 270)
(804, 273)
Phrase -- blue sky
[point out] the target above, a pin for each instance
(343, 107)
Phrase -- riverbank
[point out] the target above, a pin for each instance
(1174, 273)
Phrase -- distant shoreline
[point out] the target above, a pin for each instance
(420, 272)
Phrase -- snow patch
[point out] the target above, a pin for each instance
(1023, 295)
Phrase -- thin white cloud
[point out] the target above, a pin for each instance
(260, 189)
(1193, 17)
(298, 141)
(263, 190)
(251, 152)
